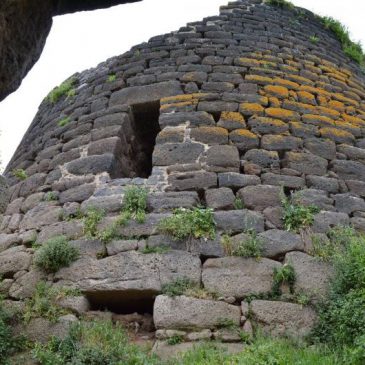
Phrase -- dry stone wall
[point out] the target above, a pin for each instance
(238, 107)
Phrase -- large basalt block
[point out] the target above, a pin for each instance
(160, 202)
(144, 94)
(130, 274)
(194, 180)
(239, 277)
(176, 153)
(4, 197)
(13, 260)
(43, 214)
(236, 221)
(189, 313)
(312, 276)
(306, 163)
(283, 319)
(259, 197)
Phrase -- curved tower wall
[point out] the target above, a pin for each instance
(243, 106)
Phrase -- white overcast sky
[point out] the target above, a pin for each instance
(82, 40)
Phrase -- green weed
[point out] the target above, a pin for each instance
(283, 275)
(112, 77)
(65, 89)
(63, 122)
(297, 216)
(92, 218)
(283, 4)
(175, 340)
(20, 174)
(135, 203)
(54, 254)
(157, 249)
(314, 39)
(189, 223)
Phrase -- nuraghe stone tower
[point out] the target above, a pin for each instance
(240, 107)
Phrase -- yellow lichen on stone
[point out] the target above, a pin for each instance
(300, 79)
(344, 99)
(305, 96)
(243, 133)
(178, 105)
(182, 98)
(248, 62)
(280, 113)
(328, 111)
(286, 83)
(318, 120)
(262, 80)
(353, 120)
(275, 103)
(314, 90)
(251, 109)
(233, 116)
(337, 105)
(278, 91)
(338, 135)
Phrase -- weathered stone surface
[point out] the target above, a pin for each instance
(148, 93)
(283, 319)
(260, 197)
(349, 170)
(43, 214)
(176, 153)
(220, 199)
(118, 246)
(236, 221)
(72, 230)
(313, 197)
(77, 194)
(321, 147)
(324, 221)
(13, 260)
(238, 277)
(160, 202)
(263, 158)
(194, 180)
(306, 163)
(328, 184)
(223, 159)
(277, 243)
(130, 274)
(4, 198)
(189, 313)
(8, 240)
(25, 285)
(293, 182)
(347, 203)
(78, 305)
(41, 329)
(312, 275)
(235, 180)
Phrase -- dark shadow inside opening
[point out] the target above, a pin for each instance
(122, 302)
(146, 128)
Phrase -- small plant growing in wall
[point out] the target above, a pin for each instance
(112, 77)
(314, 39)
(55, 254)
(63, 122)
(283, 275)
(92, 218)
(297, 216)
(50, 196)
(189, 223)
(250, 247)
(135, 203)
(20, 174)
(65, 89)
(284, 4)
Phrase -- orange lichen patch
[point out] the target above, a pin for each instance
(280, 113)
(322, 100)
(355, 130)
(353, 120)
(233, 116)
(261, 80)
(344, 99)
(293, 94)
(251, 109)
(264, 101)
(293, 64)
(314, 90)
(166, 107)
(351, 110)
(319, 120)
(275, 103)
(286, 83)
(243, 133)
(314, 69)
(337, 105)
(300, 79)
(306, 97)
(288, 68)
(338, 76)
(219, 131)
(278, 91)
(328, 112)
(337, 135)
(248, 62)
(345, 71)
(182, 98)
(299, 107)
